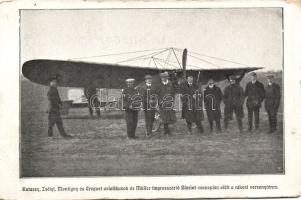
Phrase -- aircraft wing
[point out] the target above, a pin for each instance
(222, 74)
(83, 74)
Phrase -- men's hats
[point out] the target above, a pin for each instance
(164, 74)
(53, 78)
(232, 77)
(210, 81)
(253, 74)
(148, 77)
(130, 80)
(270, 76)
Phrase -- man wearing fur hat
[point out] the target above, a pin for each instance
(212, 98)
(233, 99)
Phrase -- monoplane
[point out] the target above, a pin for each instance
(82, 74)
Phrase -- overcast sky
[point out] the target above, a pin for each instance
(252, 36)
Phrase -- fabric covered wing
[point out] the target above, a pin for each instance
(222, 74)
(83, 74)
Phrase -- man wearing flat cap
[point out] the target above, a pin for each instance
(131, 101)
(254, 93)
(147, 91)
(55, 104)
(233, 99)
(166, 93)
(192, 104)
(272, 102)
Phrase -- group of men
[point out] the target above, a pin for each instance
(162, 97)
(152, 97)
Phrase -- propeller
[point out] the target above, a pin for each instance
(184, 60)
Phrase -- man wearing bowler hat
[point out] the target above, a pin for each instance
(55, 104)
(147, 91)
(254, 93)
(272, 102)
(131, 104)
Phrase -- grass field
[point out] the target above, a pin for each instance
(100, 147)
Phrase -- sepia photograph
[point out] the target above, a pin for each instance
(151, 92)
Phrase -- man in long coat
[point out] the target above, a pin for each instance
(131, 101)
(55, 104)
(272, 102)
(213, 97)
(192, 110)
(166, 94)
(147, 91)
(233, 99)
(255, 95)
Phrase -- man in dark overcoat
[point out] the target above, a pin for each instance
(166, 94)
(192, 110)
(272, 102)
(254, 93)
(147, 91)
(131, 101)
(233, 99)
(213, 97)
(54, 106)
